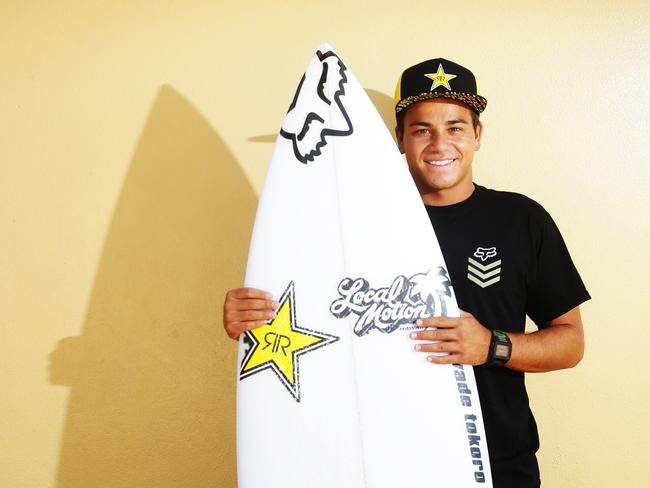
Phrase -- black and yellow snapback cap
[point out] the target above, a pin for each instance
(438, 78)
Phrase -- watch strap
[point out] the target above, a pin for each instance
(500, 349)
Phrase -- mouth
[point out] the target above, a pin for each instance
(439, 162)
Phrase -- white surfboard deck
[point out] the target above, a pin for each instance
(331, 393)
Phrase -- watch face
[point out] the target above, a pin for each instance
(502, 351)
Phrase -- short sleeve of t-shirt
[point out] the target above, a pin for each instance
(554, 285)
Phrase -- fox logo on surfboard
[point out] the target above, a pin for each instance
(316, 111)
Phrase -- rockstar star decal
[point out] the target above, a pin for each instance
(279, 344)
(440, 78)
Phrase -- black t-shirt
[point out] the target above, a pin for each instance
(507, 259)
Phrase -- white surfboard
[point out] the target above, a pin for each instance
(331, 393)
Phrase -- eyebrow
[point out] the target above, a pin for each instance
(449, 122)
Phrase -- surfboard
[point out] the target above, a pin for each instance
(331, 392)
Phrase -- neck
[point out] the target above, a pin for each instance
(448, 196)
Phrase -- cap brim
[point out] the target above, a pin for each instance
(475, 102)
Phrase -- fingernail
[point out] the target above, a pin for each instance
(268, 296)
(418, 322)
(276, 303)
(430, 359)
(413, 335)
(417, 347)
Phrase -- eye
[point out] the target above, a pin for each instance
(455, 129)
(422, 131)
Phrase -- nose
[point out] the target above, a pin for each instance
(437, 141)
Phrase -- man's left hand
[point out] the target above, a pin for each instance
(463, 340)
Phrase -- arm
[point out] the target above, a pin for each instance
(247, 308)
(559, 345)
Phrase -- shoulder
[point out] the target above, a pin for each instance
(512, 203)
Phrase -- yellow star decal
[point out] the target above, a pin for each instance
(279, 344)
(440, 78)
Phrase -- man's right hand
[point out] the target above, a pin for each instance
(245, 309)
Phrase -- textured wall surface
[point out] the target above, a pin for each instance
(134, 140)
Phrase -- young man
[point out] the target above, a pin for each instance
(506, 259)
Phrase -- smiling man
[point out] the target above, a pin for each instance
(439, 140)
(506, 259)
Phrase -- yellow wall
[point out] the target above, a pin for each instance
(132, 151)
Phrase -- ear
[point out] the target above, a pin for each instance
(400, 139)
(478, 132)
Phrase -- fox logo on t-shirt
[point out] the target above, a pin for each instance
(483, 253)
(484, 274)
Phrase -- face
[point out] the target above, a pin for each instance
(439, 142)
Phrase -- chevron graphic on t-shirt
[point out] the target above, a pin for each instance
(483, 275)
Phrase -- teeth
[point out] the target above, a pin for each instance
(442, 162)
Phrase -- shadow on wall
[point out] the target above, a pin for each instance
(152, 376)
(386, 108)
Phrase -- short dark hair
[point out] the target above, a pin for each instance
(400, 119)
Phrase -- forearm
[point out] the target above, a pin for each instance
(558, 346)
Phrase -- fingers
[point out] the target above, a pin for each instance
(249, 304)
(246, 293)
(446, 359)
(444, 321)
(239, 311)
(445, 332)
(450, 340)
(438, 347)
(235, 329)
(439, 322)
(247, 308)
(248, 316)
(434, 335)
(442, 352)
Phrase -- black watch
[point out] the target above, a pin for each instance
(500, 349)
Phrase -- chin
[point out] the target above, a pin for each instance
(441, 185)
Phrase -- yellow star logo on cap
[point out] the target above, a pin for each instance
(279, 344)
(440, 78)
